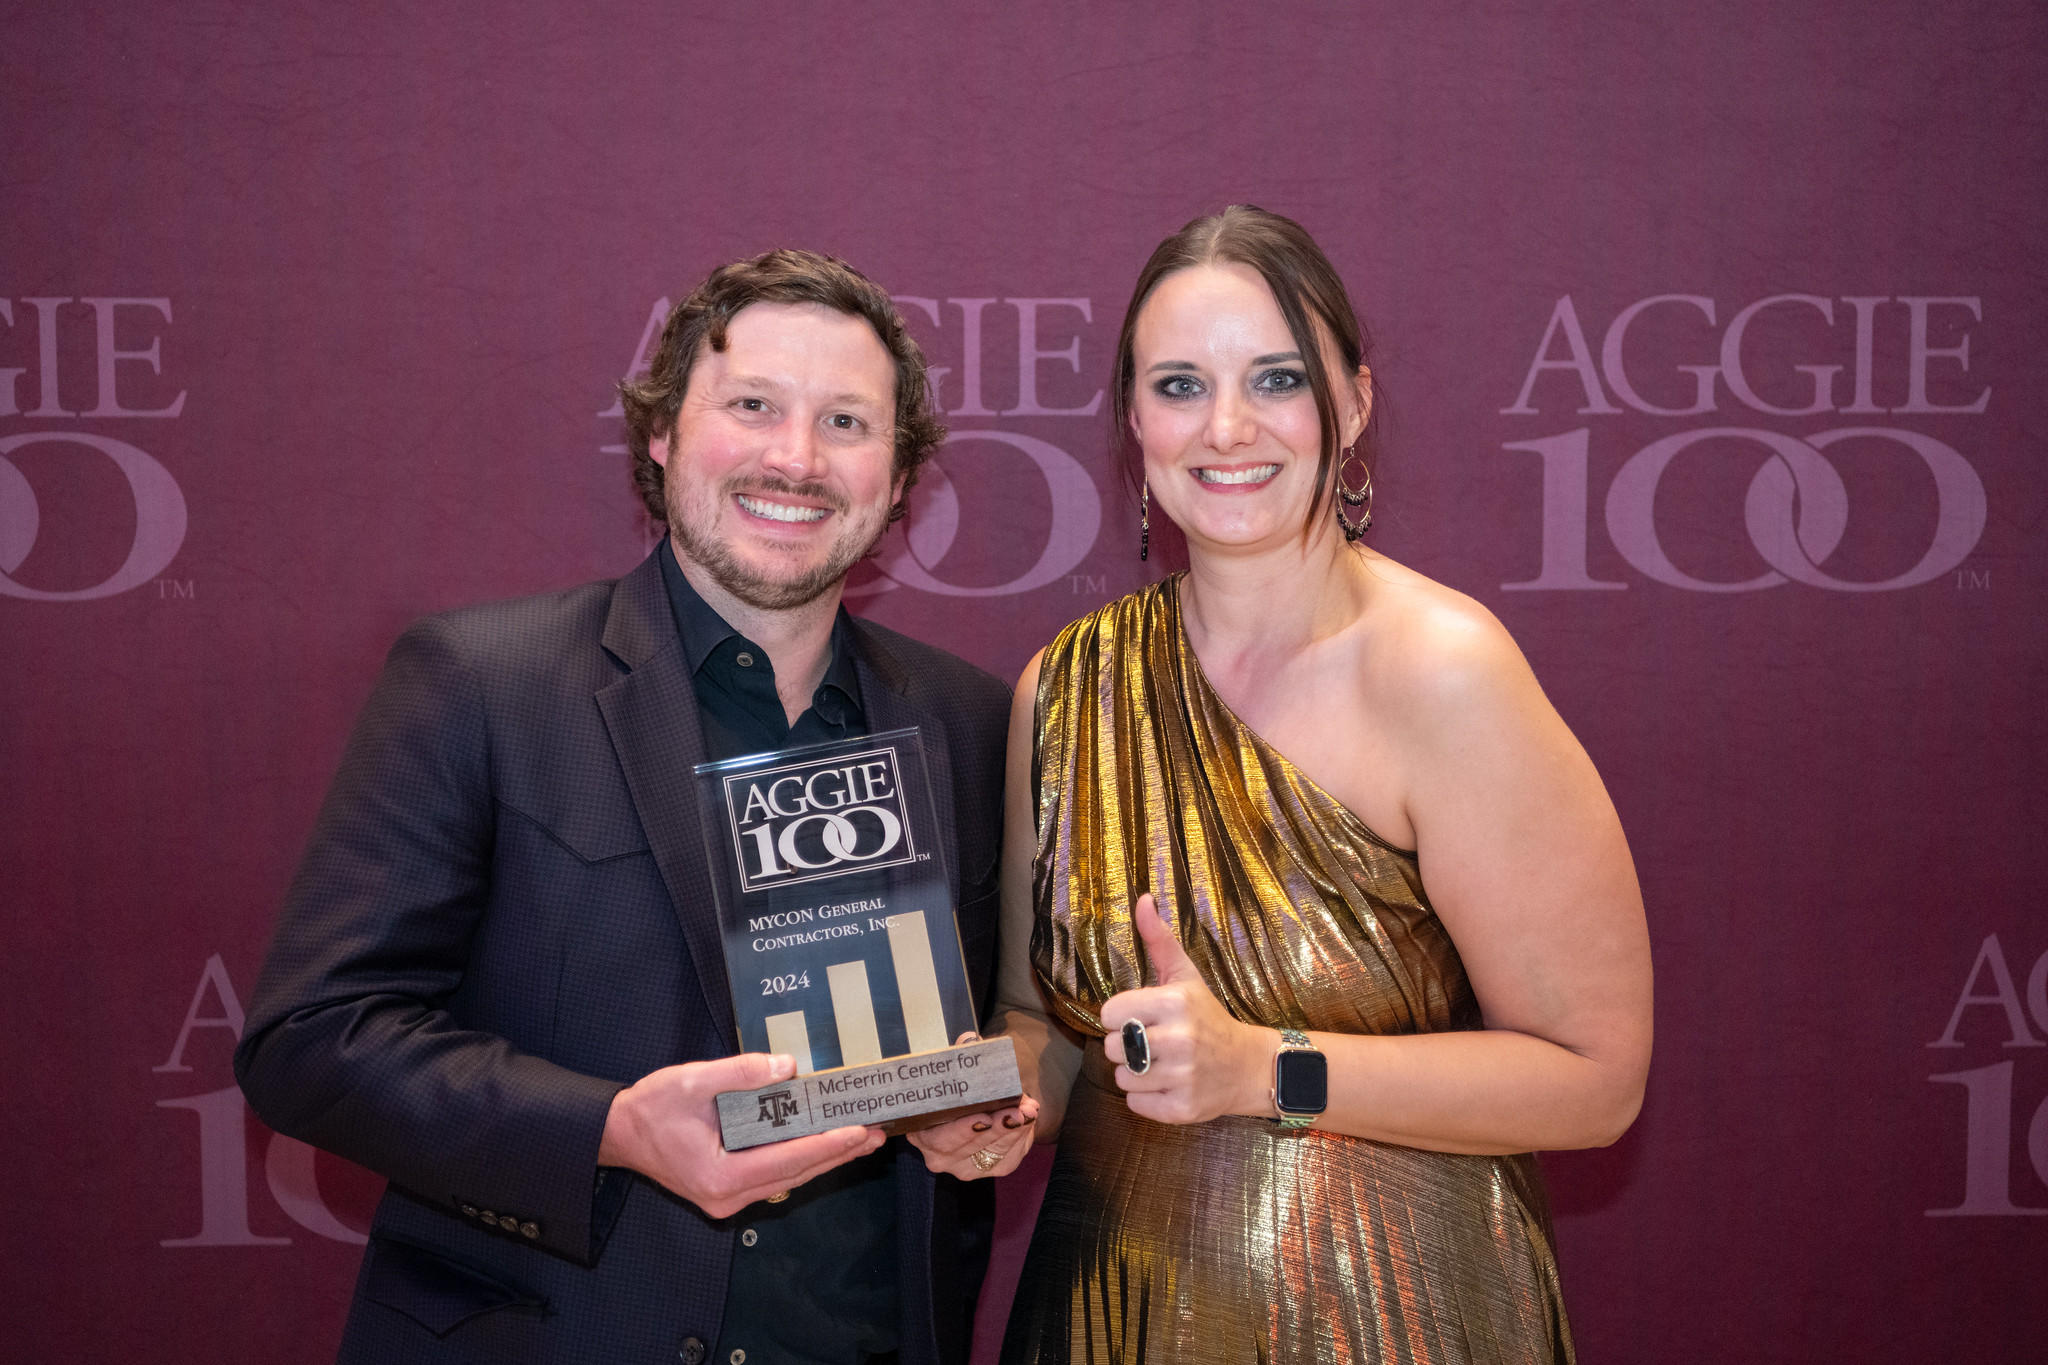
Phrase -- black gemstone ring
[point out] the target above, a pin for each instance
(1137, 1048)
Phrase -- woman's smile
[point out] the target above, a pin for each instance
(1235, 478)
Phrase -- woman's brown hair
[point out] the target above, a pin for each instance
(1308, 290)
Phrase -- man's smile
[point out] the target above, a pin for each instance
(781, 511)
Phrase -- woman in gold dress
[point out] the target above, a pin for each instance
(1224, 793)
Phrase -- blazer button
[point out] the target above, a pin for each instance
(692, 1352)
(489, 1217)
(469, 1209)
(749, 1237)
(529, 1230)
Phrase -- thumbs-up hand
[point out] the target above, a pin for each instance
(1204, 1061)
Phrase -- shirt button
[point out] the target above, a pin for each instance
(692, 1352)
(749, 1237)
(745, 660)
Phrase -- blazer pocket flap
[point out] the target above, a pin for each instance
(594, 831)
(435, 1292)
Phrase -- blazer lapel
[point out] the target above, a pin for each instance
(651, 714)
(883, 688)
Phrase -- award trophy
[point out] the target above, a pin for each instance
(836, 908)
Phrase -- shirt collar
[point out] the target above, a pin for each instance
(704, 630)
(841, 672)
(700, 625)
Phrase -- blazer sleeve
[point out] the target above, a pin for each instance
(350, 1044)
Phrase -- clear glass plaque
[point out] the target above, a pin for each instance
(836, 902)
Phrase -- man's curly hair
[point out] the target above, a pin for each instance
(784, 276)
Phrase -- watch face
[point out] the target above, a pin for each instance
(1301, 1082)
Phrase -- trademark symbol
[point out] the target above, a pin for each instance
(1078, 583)
(170, 588)
(1971, 580)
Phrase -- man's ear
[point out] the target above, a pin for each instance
(659, 448)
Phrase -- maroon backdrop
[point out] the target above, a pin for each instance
(1713, 343)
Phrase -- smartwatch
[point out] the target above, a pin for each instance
(1301, 1080)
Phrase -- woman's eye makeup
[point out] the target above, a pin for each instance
(1278, 381)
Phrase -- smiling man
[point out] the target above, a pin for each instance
(498, 978)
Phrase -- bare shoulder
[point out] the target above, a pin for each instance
(1027, 681)
(1434, 655)
(1024, 717)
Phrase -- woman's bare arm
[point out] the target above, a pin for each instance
(1047, 1053)
(1526, 864)
(1048, 1058)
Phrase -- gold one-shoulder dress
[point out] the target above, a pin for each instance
(1235, 1241)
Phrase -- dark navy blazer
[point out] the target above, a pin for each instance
(504, 917)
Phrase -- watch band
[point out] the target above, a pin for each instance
(1294, 1040)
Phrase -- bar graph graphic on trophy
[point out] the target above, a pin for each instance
(836, 908)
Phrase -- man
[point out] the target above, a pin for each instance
(498, 979)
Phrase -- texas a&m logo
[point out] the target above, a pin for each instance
(803, 822)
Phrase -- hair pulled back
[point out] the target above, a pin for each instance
(1312, 299)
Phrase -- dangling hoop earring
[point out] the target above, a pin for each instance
(1350, 496)
(1145, 522)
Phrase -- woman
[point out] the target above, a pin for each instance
(1224, 792)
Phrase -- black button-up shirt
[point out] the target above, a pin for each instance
(814, 1277)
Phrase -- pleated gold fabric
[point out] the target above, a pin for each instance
(1232, 1241)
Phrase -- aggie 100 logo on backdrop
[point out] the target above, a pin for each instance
(160, 514)
(1796, 508)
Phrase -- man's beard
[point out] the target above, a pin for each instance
(700, 543)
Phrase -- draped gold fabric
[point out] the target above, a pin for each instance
(1233, 1241)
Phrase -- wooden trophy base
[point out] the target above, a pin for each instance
(897, 1094)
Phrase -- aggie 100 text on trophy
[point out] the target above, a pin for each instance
(836, 907)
